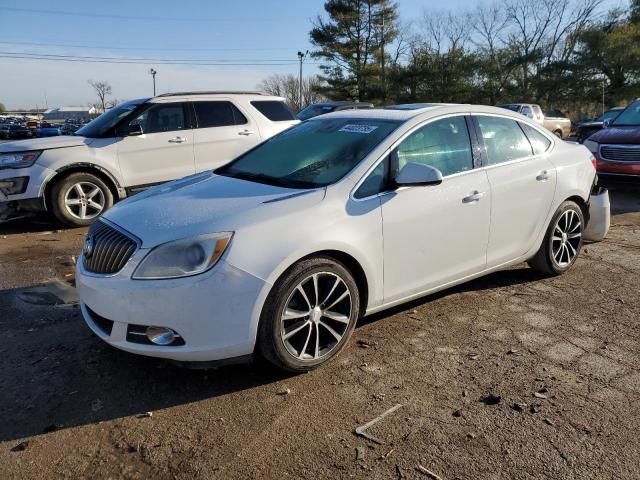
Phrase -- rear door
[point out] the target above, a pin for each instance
(163, 152)
(222, 133)
(522, 183)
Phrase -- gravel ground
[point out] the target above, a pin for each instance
(513, 376)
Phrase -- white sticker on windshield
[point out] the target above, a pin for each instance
(358, 128)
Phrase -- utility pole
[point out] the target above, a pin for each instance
(301, 58)
(602, 97)
(153, 72)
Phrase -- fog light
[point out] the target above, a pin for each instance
(161, 335)
(14, 186)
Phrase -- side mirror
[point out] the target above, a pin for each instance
(131, 130)
(417, 174)
(606, 123)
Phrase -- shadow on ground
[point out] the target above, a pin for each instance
(57, 374)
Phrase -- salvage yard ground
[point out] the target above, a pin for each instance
(513, 376)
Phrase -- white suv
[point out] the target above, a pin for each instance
(133, 146)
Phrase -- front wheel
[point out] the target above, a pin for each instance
(80, 198)
(562, 242)
(309, 315)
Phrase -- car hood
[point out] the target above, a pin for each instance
(623, 135)
(590, 124)
(205, 203)
(45, 143)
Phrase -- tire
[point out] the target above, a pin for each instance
(558, 133)
(562, 241)
(313, 337)
(67, 202)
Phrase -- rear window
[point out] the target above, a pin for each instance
(274, 110)
(218, 114)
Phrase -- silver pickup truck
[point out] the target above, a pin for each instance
(554, 121)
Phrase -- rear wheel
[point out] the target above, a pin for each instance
(558, 133)
(562, 242)
(309, 315)
(79, 198)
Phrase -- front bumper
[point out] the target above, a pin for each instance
(37, 177)
(215, 313)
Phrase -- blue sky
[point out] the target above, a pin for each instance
(251, 31)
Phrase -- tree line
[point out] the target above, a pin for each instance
(561, 54)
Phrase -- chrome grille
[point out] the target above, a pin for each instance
(107, 250)
(621, 153)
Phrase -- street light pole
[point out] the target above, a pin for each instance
(153, 72)
(301, 58)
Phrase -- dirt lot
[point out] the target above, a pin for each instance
(562, 354)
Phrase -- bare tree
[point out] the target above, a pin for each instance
(102, 89)
(287, 86)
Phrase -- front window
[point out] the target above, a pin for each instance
(312, 154)
(105, 123)
(161, 117)
(630, 116)
(442, 144)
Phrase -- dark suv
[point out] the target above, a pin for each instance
(617, 147)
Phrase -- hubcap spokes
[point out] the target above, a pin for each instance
(316, 316)
(566, 238)
(84, 200)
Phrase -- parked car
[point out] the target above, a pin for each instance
(617, 147)
(138, 144)
(558, 123)
(316, 109)
(282, 250)
(48, 130)
(11, 131)
(555, 121)
(585, 129)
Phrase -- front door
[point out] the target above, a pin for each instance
(434, 235)
(163, 152)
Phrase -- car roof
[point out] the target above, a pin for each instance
(413, 110)
(182, 96)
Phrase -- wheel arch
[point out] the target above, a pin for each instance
(107, 177)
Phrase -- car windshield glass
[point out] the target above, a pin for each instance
(314, 110)
(514, 107)
(105, 122)
(312, 154)
(608, 115)
(629, 117)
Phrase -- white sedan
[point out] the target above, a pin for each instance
(281, 251)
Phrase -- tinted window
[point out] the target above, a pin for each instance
(376, 181)
(104, 124)
(539, 142)
(274, 110)
(314, 110)
(218, 114)
(161, 117)
(504, 140)
(443, 144)
(312, 154)
(630, 116)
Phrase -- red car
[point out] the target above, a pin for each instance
(617, 147)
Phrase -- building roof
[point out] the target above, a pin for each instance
(70, 109)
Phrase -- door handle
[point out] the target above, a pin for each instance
(177, 140)
(474, 196)
(543, 176)
(246, 133)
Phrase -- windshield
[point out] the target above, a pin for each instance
(514, 107)
(608, 115)
(314, 110)
(629, 117)
(109, 119)
(311, 154)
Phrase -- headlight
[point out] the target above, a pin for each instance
(183, 258)
(591, 145)
(19, 159)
